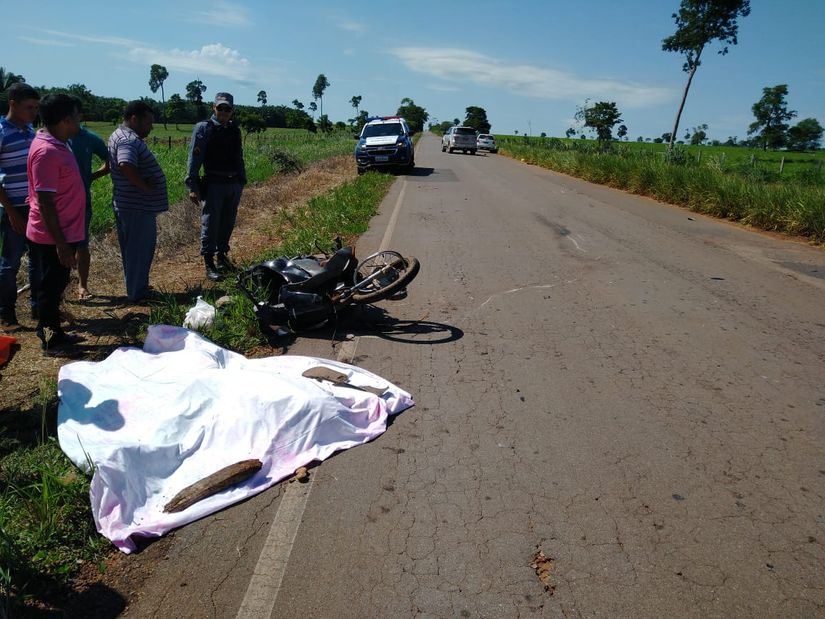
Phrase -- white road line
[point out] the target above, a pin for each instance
(394, 217)
(265, 584)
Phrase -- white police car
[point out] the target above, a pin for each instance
(384, 141)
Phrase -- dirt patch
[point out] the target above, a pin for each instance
(544, 568)
(109, 320)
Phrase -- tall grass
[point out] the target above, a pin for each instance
(791, 207)
(263, 155)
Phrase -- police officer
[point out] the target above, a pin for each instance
(216, 145)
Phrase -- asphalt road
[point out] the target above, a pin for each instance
(633, 390)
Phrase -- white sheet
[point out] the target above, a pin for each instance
(156, 420)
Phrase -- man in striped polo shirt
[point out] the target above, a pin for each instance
(16, 135)
(138, 195)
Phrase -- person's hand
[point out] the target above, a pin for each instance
(16, 220)
(66, 256)
(195, 197)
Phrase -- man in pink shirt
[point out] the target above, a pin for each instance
(57, 202)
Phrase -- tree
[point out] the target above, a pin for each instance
(805, 135)
(601, 117)
(456, 122)
(356, 101)
(321, 84)
(251, 122)
(477, 119)
(297, 104)
(416, 116)
(158, 75)
(324, 123)
(699, 22)
(666, 137)
(176, 109)
(194, 92)
(7, 78)
(262, 97)
(621, 131)
(699, 134)
(771, 113)
(313, 107)
(570, 132)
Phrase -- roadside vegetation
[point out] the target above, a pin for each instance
(273, 151)
(713, 180)
(47, 534)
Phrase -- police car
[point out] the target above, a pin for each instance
(385, 141)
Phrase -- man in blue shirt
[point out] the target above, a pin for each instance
(16, 135)
(217, 146)
(84, 145)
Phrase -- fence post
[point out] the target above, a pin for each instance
(753, 160)
(170, 142)
(819, 168)
(699, 157)
(722, 162)
(782, 164)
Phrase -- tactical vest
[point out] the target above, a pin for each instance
(223, 150)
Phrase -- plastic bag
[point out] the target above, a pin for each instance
(200, 315)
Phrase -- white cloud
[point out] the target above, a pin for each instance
(351, 26)
(213, 59)
(223, 14)
(460, 65)
(105, 40)
(46, 42)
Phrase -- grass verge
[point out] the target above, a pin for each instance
(46, 529)
(791, 207)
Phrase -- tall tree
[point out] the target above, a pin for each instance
(700, 134)
(321, 84)
(297, 104)
(176, 109)
(313, 107)
(772, 113)
(7, 78)
(699, 22)
(601, 117)
(356, 101)
(158, 75)
(805, 135)
(477, 119)
(415, 115)
(262, 97)
(621, 132)
(194, 92)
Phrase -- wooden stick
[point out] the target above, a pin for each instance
(217, 481)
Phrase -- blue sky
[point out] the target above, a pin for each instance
(529, 64)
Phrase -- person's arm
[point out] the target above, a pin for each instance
(48, 211)
(131, 173)
(197, 146)
(16, 220)
(101, 171)
(99, 148)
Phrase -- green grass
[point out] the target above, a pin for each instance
(46, 529)
(345, 212)
(791, 204)
(262, 153)
(46, 526)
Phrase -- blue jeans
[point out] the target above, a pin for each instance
(137, 234)
(220, 208)
(14, 246)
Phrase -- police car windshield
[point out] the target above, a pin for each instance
(371, 131)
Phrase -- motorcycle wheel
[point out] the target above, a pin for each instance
(401, 272)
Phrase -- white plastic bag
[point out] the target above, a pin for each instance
(200, 315)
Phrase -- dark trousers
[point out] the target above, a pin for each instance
(220, 209)
(137, 233)
(14, 246)
(54, 278)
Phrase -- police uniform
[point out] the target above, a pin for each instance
(217, 148)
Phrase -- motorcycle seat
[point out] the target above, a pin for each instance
(332, 270)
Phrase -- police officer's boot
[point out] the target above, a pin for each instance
(211, 269)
